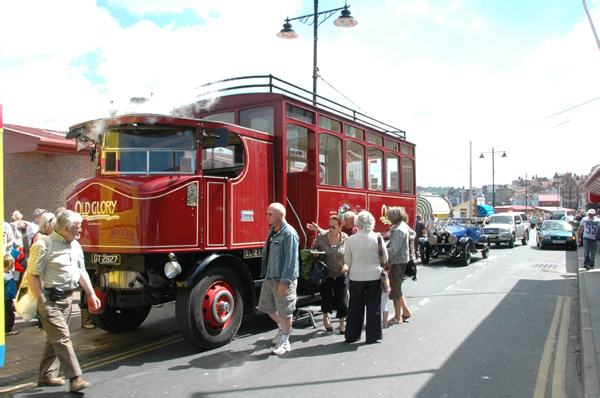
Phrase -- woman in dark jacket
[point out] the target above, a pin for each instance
(334, 292)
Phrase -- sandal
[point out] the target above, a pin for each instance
(404, 317)
(395, 321)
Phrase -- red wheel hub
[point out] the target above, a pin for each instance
(218, 305)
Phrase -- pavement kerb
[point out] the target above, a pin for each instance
(589, 366)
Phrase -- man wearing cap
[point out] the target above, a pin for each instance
(587, 233)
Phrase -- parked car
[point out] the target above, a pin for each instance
(507, 228)
(556, 233)
(457, 238)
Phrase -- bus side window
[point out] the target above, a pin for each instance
(222, 159)
(296, 148)
(330, 160)
(392, 173)
(408, 176)
(355, 165)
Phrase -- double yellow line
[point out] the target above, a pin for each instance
(559, 329)
(137, 350)
(105, 360)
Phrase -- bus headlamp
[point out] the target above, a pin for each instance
(172, 268)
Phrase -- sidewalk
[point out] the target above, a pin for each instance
(23, 350)
(92, 346)
(589, 324)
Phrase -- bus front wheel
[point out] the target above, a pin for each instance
(209, 314)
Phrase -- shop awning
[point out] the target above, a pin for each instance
(432, 204)
(592, 186)
(484, 210)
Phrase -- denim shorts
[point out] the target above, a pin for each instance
(270, 302)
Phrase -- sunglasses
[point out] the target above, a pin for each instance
(333, 226)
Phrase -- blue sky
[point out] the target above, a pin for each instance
(498, 74)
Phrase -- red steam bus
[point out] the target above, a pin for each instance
(176, 210)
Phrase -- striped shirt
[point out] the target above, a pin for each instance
(58, 263)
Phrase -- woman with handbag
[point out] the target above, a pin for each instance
(399, 251)
(334, 292)
(362, 257)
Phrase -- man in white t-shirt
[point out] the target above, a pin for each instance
(34, 226)
(587, 232)
(432, 225)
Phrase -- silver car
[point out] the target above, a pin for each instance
(508, 228)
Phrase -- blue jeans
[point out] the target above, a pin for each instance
(590, 248)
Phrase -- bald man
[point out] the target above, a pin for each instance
(280, 268)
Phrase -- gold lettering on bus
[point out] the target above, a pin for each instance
(97, 210)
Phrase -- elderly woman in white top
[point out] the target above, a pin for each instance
(362, 261)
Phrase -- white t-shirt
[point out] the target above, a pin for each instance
(432, 224)
(32, 229)
(590, 227)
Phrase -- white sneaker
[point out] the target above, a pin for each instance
(282, 348)
(277, 338)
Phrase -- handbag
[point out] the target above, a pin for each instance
(383, 276)
(318, 275)
(26, 304)
(411, 270)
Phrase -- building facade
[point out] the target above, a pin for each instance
(40, 167)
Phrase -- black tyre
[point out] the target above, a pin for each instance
(424, 255)
(511, 242)
(119, 320)
(209, 314)
(485, 253)
(525, 238)
(465, 257)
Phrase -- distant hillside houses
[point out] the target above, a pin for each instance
(562, 190)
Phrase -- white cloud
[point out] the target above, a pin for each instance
(441, 104)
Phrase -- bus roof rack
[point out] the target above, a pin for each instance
(272, 84)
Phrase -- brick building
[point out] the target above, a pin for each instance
(40, 167)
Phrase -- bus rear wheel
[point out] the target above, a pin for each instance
(209, 314)
(119, 320)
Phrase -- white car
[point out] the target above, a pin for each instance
(507, 228)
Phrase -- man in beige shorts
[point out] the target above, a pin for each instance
(280, 268)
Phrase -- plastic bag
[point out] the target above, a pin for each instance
(27, 306)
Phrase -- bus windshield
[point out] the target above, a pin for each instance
(149, 150)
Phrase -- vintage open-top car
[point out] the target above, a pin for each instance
(457, 238)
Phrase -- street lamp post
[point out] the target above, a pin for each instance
(526, 190)
(345, 20)
(493, 175)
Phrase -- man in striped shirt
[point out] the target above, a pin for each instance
(56, 267)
